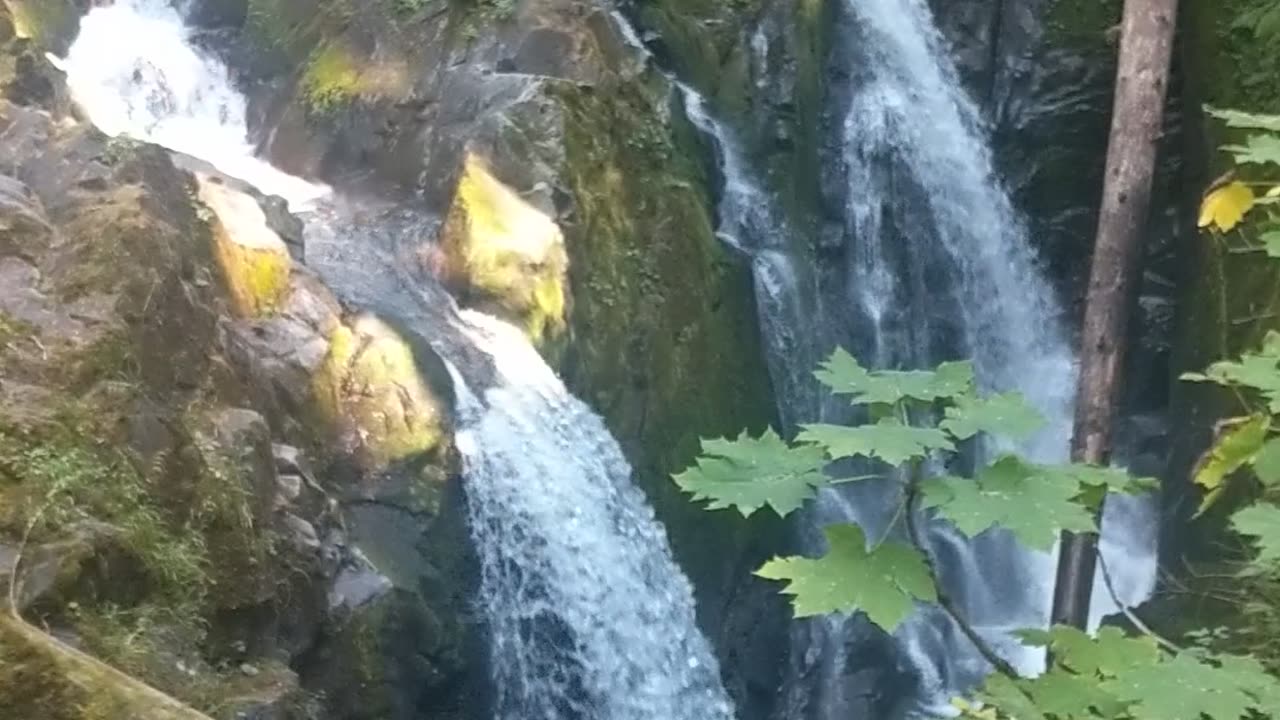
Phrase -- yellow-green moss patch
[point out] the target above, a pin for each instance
(370, 388)
(254, 261)
(502, 251)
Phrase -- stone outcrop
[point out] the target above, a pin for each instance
(190, 424)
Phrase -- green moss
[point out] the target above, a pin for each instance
(63, 483)
(12, 329)
(370, 379)
(51, 23)
(331, 80)
(666, 343)
(701, 34)
(502, 251)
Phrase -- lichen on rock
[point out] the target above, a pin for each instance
(500, 251)
(254, 260)
(371, 387)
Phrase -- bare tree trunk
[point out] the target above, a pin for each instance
(1142, 78)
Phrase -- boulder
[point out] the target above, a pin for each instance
(500, 251)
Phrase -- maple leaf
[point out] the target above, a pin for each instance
(1008, 695)
(749, 473)
(888, 440)
(845, 376)
(1266, 464)
(1005, 414)
(1259, 371)
(1107, 654)
(1225, 207)
(1257, 150)
(1017, 497)
(1238, 442)
(1237, 119)
(1262, 523)
(1271, 242)
(1182, 688)
(883, 582)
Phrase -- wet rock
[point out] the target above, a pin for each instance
(217, 13)
(500, 251)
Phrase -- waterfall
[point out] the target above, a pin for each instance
(937, 265)
(749, 223)
(588, 614)
(135, 71)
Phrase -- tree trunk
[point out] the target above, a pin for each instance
(1142, 77)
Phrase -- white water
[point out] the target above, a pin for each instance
(961, 281)
(749, 223)
(589, 616)
(912, 129)
(135, 72)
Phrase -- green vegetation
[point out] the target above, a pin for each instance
(914, 423)
(331, 80)
(916, 418)
(60, 485)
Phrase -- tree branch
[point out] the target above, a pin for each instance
(1128, 613)
(948, 605)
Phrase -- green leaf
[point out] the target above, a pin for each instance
(1182, 688)
(1109, 479)
(1238, 442)
(1251, 677)
(883, 582)
(1006, 414)
(1257, 150)
(1015, 495)
(1237, 119)
(1068, 696)
(1121, 676)
(844, 375)
(1258, 371)
(1266, 464)
(1262, 523)
(1008, 695)
(1108, 654)
(1271, 242)
(888, 440)
(749, 473)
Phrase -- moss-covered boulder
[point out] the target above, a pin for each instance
(254, 260)
(500, 251)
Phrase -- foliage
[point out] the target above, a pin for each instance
(1114, 675)
(882, 582)
(913, 424)
(749, 473)
(67, 485)
(1249, 196)
(913, 419)
(1032, 504)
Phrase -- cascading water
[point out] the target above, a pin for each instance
(937, 266)
(135, 71)
(589, 616)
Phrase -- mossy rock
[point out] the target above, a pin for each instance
(255, 262)
(51, 23)
(371, 392)
(666, 343)
(500, 251)
(42, 678)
